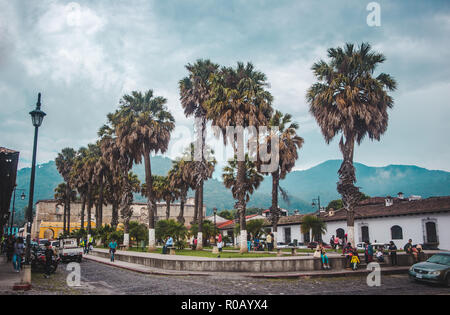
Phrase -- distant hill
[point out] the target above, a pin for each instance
(302, 186)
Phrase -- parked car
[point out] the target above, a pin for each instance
(69, 250)
(435, 270)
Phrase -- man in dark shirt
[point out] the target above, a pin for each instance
(393, 253)
(48, 259)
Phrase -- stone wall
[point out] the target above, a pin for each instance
(50, 211)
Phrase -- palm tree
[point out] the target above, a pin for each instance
(62, 195)
(77, 180)
(281, 126)
(164, 192)
(143, 125)
(64, 162)
(314, 225)
(350, 100)
(195, 91)
(131, 184)
(239, 99)
(246, 184)
(178, 177)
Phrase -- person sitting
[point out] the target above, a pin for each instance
(379, 255)
(168, 243)
(355, 261)
(323, 256)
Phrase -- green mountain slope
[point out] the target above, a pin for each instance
(302, 186)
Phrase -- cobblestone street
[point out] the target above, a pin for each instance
(97, 278)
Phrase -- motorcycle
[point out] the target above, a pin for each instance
(38, 261)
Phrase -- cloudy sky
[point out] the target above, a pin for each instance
(83, 56)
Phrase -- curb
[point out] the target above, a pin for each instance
(327, 275)
(148, 272)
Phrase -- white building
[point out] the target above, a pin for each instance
(380, 219)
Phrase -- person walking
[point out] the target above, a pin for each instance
(49, 253)
(219, 244)
(17, 254)
(10, 248)
(336, 243)
(393, 253)
(112, 249)
(332, 242)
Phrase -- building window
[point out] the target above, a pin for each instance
(365, 234)
(396, 233)
(287, 235)
(340, 233)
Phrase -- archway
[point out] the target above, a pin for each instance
(340, 233)
(49, 234)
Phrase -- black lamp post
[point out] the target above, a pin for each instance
(215, 227)
(37, 116)
(22, 197)
(318, 202)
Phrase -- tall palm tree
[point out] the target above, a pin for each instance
(246, 184)
(239, 99)
(282, 127)
(194, 92)
(64, 162)
(78, 181)
(178, 177)
(350, 100)
(164, 192)
(143, 125)
(62, 195)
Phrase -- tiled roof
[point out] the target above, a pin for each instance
(7, 151)
(376, 207)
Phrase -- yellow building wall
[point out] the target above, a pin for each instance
(56, 228)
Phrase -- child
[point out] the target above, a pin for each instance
(323, 255)
(379, 255)
(355, 260)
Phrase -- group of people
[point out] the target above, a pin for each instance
(14, 248)
(256, 244)
(87, 244)
(336, 242)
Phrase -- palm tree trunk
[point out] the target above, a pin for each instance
(346, 187)
(241, 206)
(83, 206)
(115, 215)
(182, 202)
(68, 194)
(100, 202)
(167, 209)
(65, 216)
(200, 217)
(89, 207)
(151, 204)
(196, 207)
(274, 211)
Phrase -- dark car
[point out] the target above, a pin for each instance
(435, 270)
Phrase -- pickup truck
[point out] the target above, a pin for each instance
(69, 250)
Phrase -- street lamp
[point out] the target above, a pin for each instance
(22, 197)
(316, 202)
(215, 231)
(37, 116)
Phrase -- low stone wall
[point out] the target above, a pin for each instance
(270, 264)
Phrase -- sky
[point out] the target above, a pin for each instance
(84, 56)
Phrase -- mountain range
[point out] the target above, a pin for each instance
(302, 186)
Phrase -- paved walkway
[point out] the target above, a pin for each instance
(276, 275)
(7, 276)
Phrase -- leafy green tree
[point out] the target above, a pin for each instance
(256, 227)
(138, 231)
(175, 229)
(314, 225)
(227, 214)
(208, 231)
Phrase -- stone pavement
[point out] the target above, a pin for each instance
(7, 276)
(274, 275)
